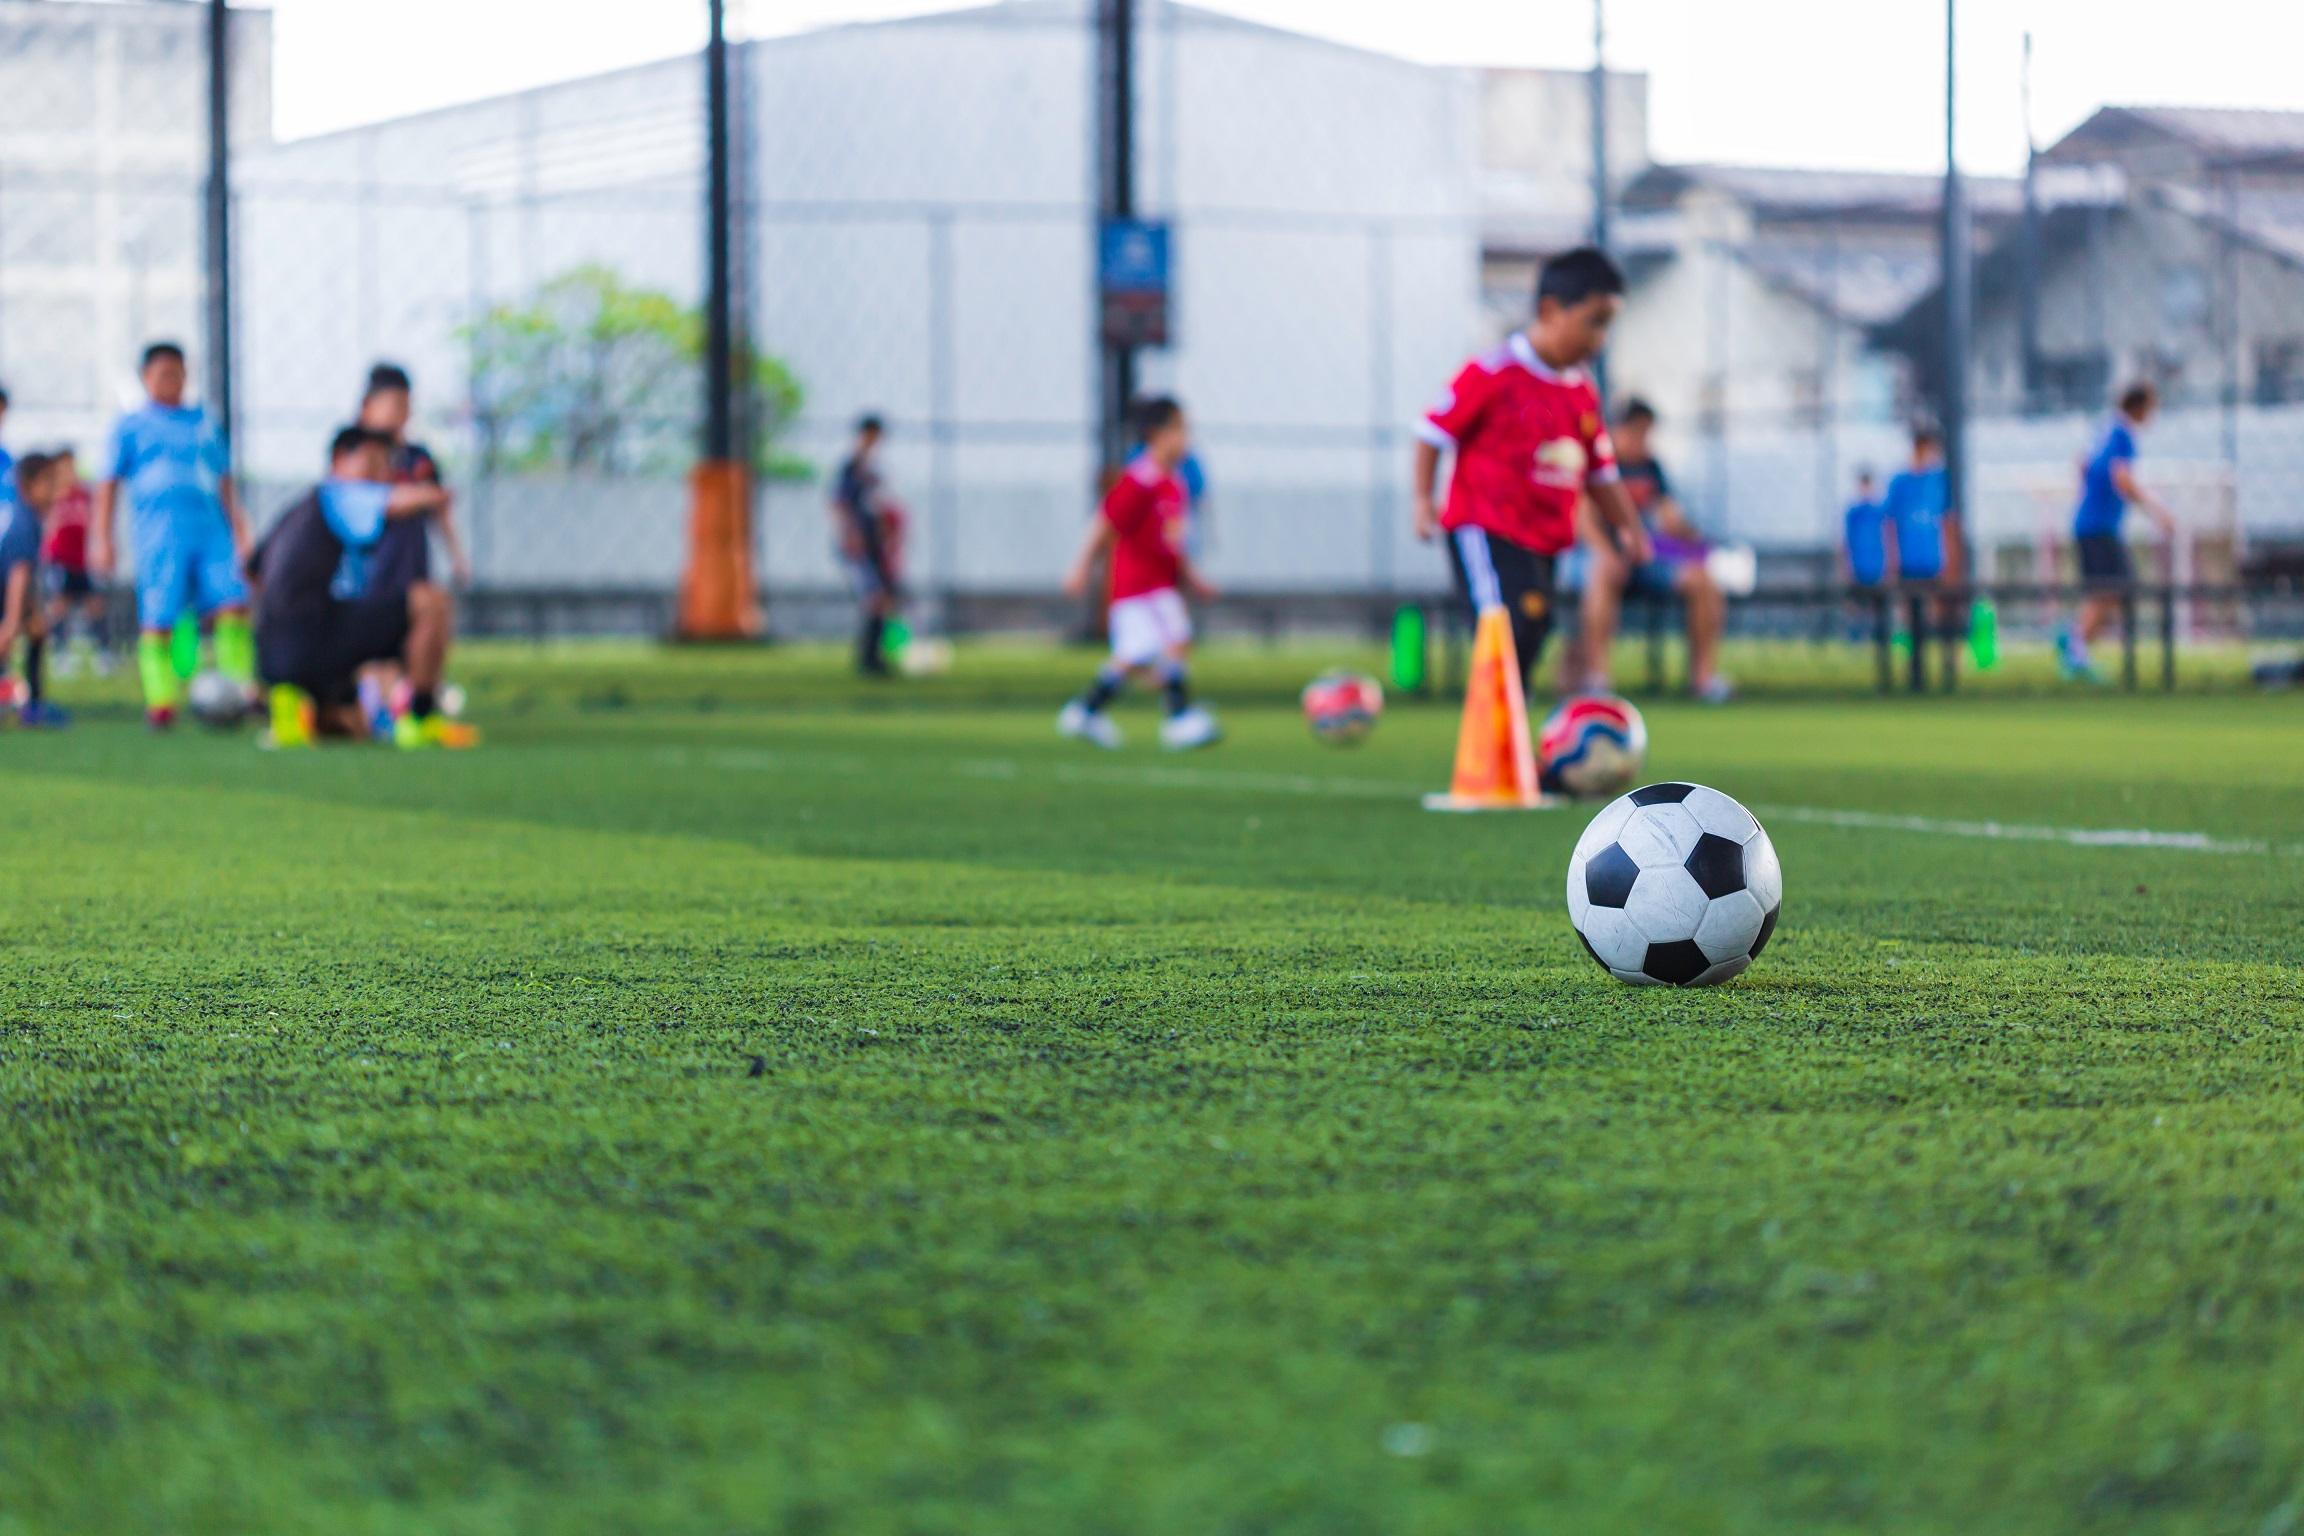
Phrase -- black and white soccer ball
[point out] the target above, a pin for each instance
(1674, 885)
(217, 701)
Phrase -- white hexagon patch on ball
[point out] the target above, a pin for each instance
(1674, 885)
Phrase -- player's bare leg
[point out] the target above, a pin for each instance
(1606, 575)
(1706, 615)
(430, 628)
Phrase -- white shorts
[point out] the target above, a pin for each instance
(1148, 627)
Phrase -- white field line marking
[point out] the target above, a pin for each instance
(1008, 770)
(2017, 832)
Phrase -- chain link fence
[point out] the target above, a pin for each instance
(916, 207)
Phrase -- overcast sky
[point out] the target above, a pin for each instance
(1855, 83)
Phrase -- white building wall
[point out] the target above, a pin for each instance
(923, 247)
(103, 151)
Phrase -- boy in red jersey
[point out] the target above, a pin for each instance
(1524, 424)
(1143, 528)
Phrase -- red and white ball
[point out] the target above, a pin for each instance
(1591, 747)
(1343, 707)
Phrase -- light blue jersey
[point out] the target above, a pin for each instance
(355, 511)
(170, 462)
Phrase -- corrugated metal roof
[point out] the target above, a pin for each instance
(1784, 191)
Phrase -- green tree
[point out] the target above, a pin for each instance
(597, 376)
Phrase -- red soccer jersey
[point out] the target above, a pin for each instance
(68, 531)
(1146, 508)
(1527, 439)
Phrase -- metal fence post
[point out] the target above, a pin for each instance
(218, 217)
(1382, 471)
(2128, 638)
(943, 498)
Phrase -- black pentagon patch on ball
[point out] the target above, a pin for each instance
(1608, 878)
(1588, 949)
(1662, 794)
(1767, 930)
(1679, 962)
(1718, 865)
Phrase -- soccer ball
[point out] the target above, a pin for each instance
(1674, 885)
(1591, 747)
(1343, 707)
(216, 700)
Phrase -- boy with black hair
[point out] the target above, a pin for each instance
(1523, 422)
(401, 563)
(2108, 487)
(64, 557)
(1867, 537)
(30, 492)
(860, 535)
(1144, 527)
(1676, 567)
(317, 625)
(1918, 507)
(191, 535)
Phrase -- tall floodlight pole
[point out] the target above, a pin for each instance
(1600, 188)
(719, 599)
(720, 262)
(2028, 292)
(1959, 294)
(1115, 199)
(217, 251)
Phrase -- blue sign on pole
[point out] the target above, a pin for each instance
(1132, 275)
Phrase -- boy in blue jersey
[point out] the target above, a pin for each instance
(1920, 516)
(190, 533)
(318, 624)
(2107, 486)
(7, 464)
(1867, 540)
(26, 494)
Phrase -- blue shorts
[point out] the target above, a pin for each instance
(188, 570)
(1656, 578)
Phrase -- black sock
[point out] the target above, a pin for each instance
(422, 704)
(869, 641)
(1175, 690)
(35, 670)
(1103, 691)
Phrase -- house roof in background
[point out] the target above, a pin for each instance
(2218, 133)
(1865, 285)
(1797, 192)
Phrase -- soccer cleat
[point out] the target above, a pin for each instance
(1081, 723)
(1187, 729)
(42, 716)
(295, 723)
(2075, 667)
(433, 733)
(160, 717)
(1717, 691)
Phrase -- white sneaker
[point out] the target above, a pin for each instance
(1195, 727)
(1717, 691)
(1081, 723)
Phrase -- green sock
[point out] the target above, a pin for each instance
(184, 648)
(158, 670)
(236, 649)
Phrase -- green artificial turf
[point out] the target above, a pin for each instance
(737, 1100)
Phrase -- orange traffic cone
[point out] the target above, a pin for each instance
(1495, 763)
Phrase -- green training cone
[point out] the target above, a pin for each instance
(1408, 649)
